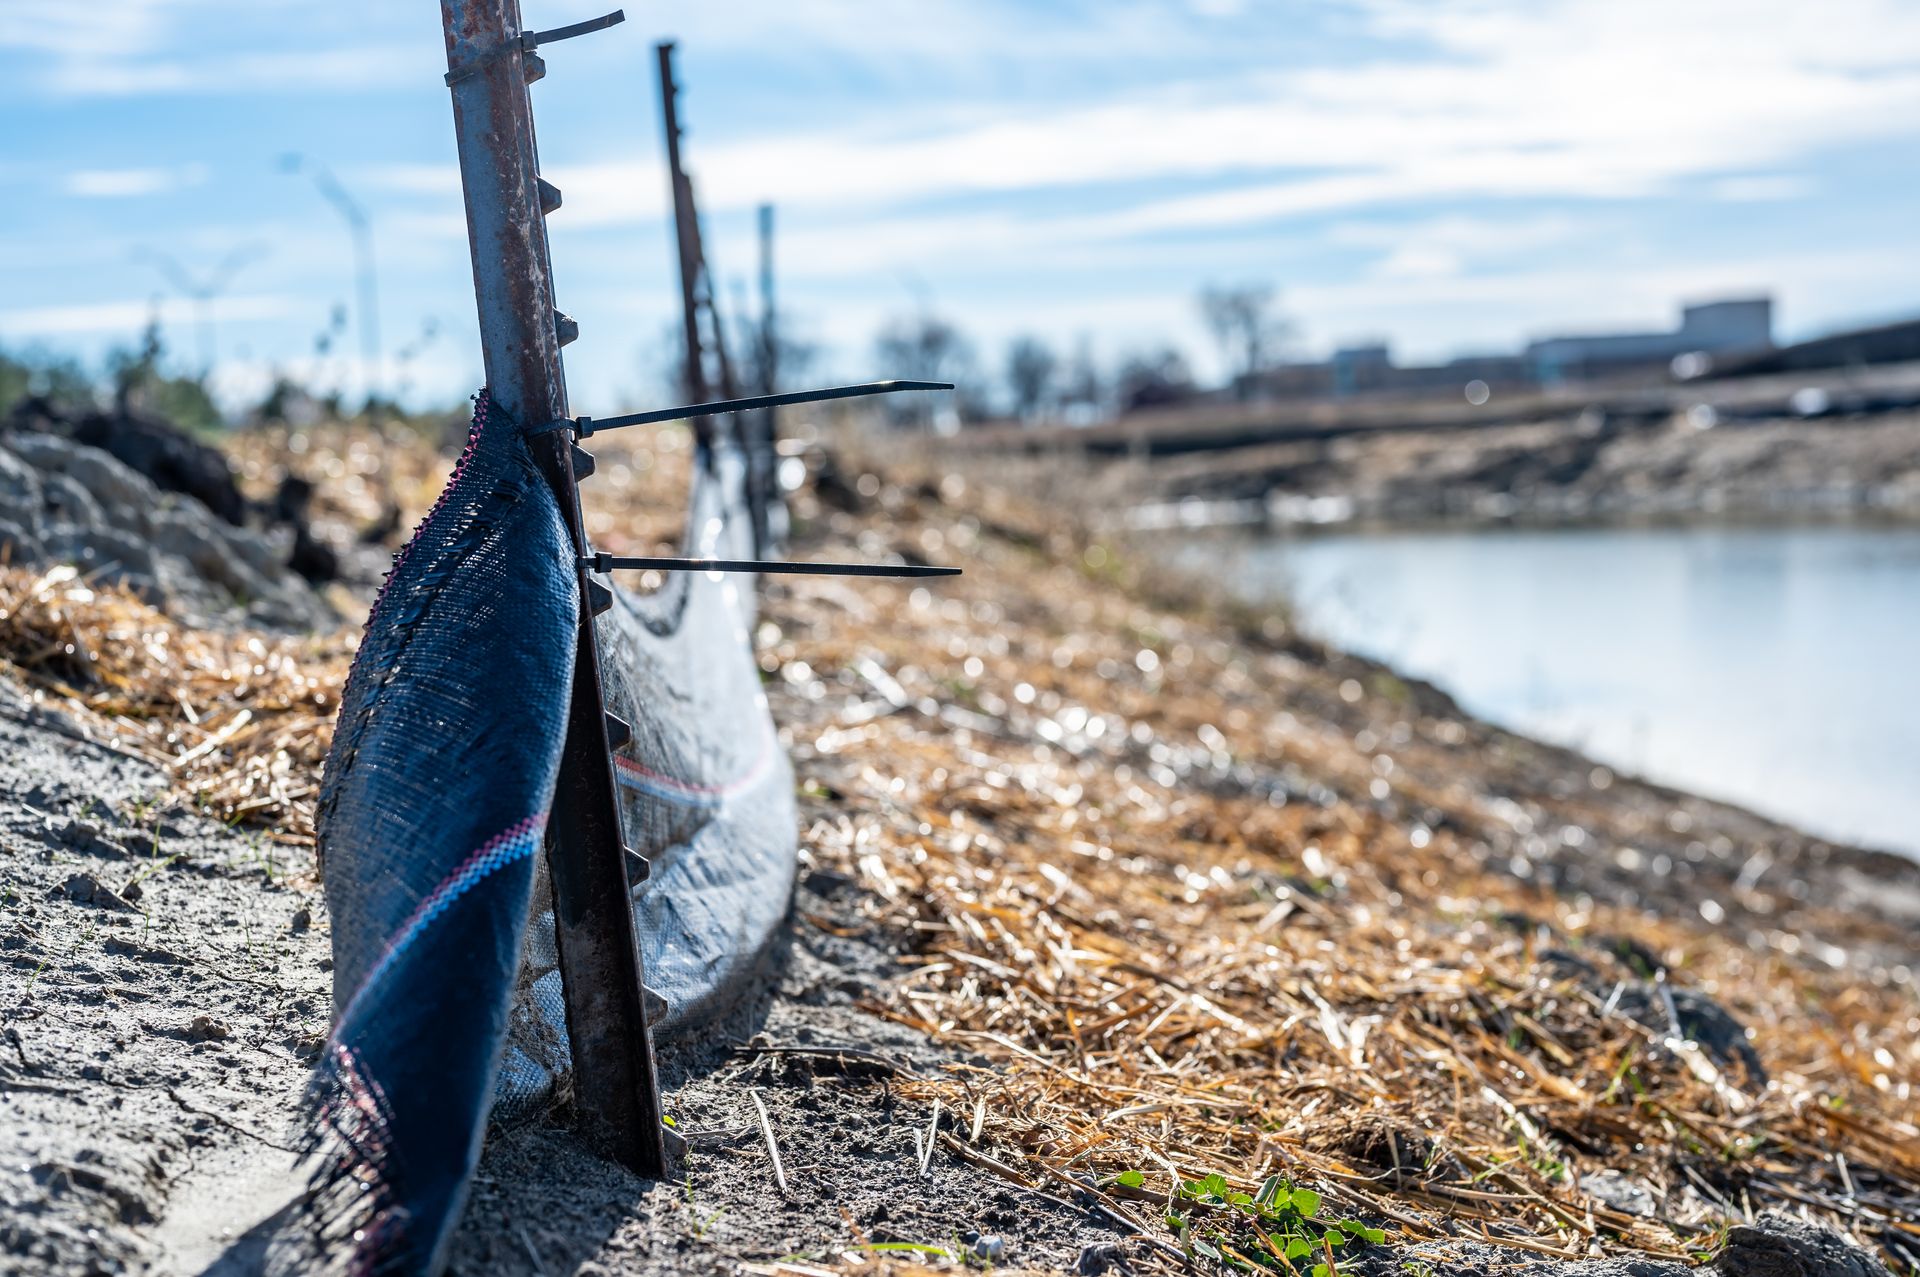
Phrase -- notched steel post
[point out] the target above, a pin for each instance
(488, 70)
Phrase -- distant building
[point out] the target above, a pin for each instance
(1718, 332)
(1713, 328)
(1893, 343)
(1357, 369)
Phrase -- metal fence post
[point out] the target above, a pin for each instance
(489, 66)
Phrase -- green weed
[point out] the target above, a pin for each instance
(1285, 1222)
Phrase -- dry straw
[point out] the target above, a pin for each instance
(1211, 905)
(239, 721)
(1206, 902)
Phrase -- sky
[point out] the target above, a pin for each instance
(1451, 177)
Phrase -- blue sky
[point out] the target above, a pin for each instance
(1452, 177)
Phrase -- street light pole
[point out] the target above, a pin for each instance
(202, 290)
(361, 228)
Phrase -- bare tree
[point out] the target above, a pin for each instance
(793, 356)
(1154, 379)
(1083, 391)
(1031, 367)
(926, 347)
(1245, 322)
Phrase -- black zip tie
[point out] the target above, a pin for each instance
(587, 425)
(604, 562)
(553, 35)
(531, 40)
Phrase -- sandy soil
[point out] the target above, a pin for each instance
(163, 987)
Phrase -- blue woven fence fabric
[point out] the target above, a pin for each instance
(706, 794)
(431, 815)
(448, 1004)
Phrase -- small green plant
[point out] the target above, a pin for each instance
(1551, 1167)
(152, 867)
(905, 1248)
(1285, 1222)
(700, 1226)
(1707, 1247)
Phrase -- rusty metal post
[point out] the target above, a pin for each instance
(763, 465)
(489, 66)
(687, 251)
(769, 331)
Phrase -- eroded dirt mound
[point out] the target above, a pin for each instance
(66, 502)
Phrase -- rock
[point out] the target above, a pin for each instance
(20, 503)
(313, 558)
(1619, 1192)
(126, 499)
(168, 456)
(17, 544)
(989, 1248)
(1561, 964)
(84, 835)
(1777, 1245)
(204, 1028)
(302, 919)
(85, 889)
(115, 557)
(1100, 1258)
(1699, 1019)
(64, 502)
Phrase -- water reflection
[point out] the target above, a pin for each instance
(1771, 666)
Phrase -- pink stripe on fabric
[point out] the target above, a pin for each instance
(638, 775)
(516, 843)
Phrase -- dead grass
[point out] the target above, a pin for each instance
(1064, 796)
(240, 721)
(1204, 904)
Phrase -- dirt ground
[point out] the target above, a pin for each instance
(165, 987)
(164, 977)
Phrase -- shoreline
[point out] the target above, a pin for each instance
(1067, 842)
(1323, 577)
(1557, 462)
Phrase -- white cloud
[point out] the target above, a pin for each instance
(1760, 188)
(1580, 99)
(130, 315)
(101, 28)
(134, 47)
(139, 47)
(125, 183)
(1438, 248)
(260, 72)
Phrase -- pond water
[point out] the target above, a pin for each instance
(1778, 668)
